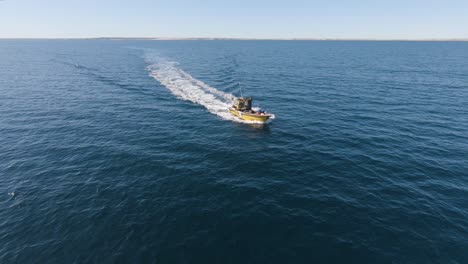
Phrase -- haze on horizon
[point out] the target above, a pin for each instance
(333, 19)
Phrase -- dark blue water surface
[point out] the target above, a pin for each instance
(121, 151)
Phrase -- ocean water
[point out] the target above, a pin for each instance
(123, 152)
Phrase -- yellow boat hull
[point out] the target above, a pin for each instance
(250, 117)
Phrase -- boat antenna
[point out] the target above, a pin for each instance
(240, 88)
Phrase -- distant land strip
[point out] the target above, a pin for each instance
(221, 38)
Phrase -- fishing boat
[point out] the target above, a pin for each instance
(242, 108)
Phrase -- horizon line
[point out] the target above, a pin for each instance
(234, 38)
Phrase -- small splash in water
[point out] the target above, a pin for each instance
(184, 86)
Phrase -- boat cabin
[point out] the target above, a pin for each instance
(243, 104)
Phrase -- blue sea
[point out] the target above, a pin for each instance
(122, 151)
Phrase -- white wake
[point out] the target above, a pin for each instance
(184, 86)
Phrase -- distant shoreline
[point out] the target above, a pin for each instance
(244, 39)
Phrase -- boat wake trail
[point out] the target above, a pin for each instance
(185, 87)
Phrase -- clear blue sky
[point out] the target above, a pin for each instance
(378, 19)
